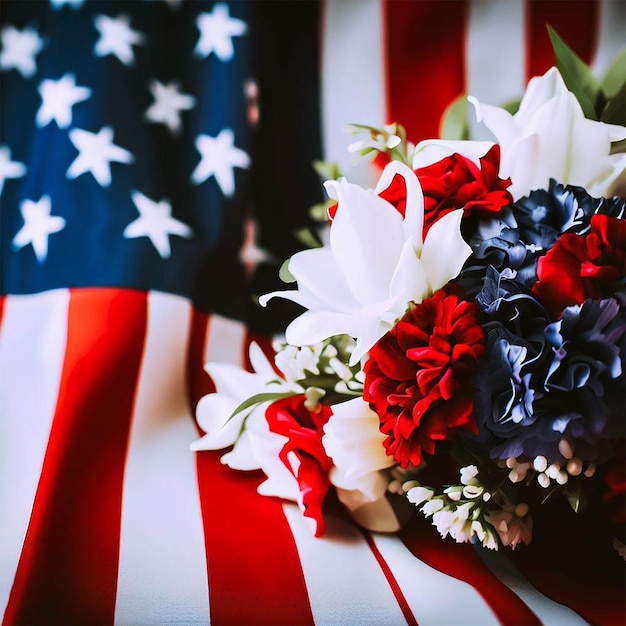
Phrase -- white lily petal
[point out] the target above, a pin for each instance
(522, 167)
(303, 299)
(315, 326)
(365, 238)
(549, 137)
(540, 89)
(352, 439)
(260, 363)
(320, 277)
(242, 457)
(370, 333)
(230, 380)
(413, 223)
(213, 415)
(444, 251)
(499, 121)
(409, 282)
(431, 151)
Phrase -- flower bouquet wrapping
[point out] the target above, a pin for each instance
(463, 341)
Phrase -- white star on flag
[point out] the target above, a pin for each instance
(117, 37)
(219, 158)
(96, 151)
(19, 49)
(58, 97)
(8, 168)
(168, 103)
(155, 221)
(216, 30)
(38, 226)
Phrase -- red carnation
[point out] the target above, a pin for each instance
(418, 378)
(456, 182)
(304, 431)
(583, 266)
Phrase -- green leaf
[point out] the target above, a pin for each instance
(577, 76)
(614, 111)
(259, 398)
(284, 274)
(327, 170)
(619, 147)
(577, 499)
(615, 77)
(454, 123)
(307, 237)
(512, 106)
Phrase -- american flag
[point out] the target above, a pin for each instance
(144, 203)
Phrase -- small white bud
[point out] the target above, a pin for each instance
(565, 449)
(574, 466)
(553, 471)
(472, 491)
(417, 495)
(562, 477)
(432, 506)
(540, 463)
(486, 496)
(511, 462)
(543, 480)
(514, 477)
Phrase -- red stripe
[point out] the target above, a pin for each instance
(460, 561)
(571, 560)
(577, 23)
(2, 300)
(254, 570)
(255, 575)
(198, 381)
(425, 62)
(391, 579)
(67, 572)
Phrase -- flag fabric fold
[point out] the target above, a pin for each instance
(154, 165)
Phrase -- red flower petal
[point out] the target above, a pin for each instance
(427, 394)
(304, 431)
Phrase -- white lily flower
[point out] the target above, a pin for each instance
(353, 441)
(549, 137)
(377, 262)
(256, 447)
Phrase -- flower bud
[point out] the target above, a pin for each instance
(565, 448)
(543, 480)
(574, 466)
(540, 463)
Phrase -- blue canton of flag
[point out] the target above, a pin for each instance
(124, 143)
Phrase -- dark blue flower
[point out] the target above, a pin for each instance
(527, 229)
(570, 385)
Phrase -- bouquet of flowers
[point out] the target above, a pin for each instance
(463, 341)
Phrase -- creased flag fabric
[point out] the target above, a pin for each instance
(154, 166)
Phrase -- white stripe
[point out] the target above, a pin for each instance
(548, 611)
(434, 598)
(162, 568)
(345, 583)
(353, 80)
(225, 341)
(611, 36)
(495, 48)
(32, 347)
